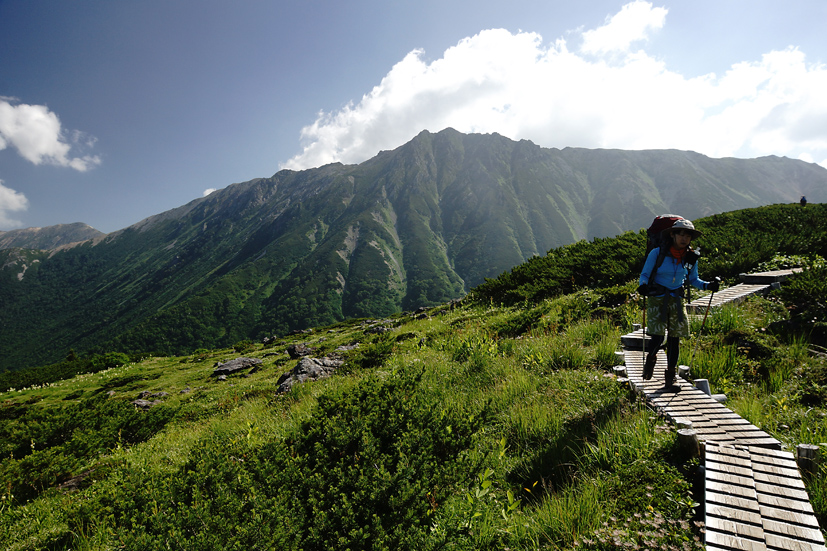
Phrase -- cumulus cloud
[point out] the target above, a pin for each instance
(604, 94)
(208, 191)
(36, 133)
(633, 23)
(11, 201)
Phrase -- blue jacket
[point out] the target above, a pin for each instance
(671, 273)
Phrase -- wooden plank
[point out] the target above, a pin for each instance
(726, 478)
(742, 492)
(728, 500)
(728, 541)
(694, 409)
(779, 502)
(734, 420)
(748, 432)
(781, 454)
(794, 531)
(792, 517)
(763, 440)
(786, 544)
(786, 481)
(720, 438)
(736, 528)
(766, 443)
(714, 461)
(730, 450)
(753, 436)
(788, 493)
(734, 514)
(743, 469)
(776, 469)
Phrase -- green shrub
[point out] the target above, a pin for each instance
(370, 355)
(242, 347)
(46, 446)
(361, 473)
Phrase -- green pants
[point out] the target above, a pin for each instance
(666, 313)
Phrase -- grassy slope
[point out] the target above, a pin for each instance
(477, 427)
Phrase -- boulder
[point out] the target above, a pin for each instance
(149, 394)
(347, 347)
(296, 351)
(145, 404)
(235, 365)
(309, 369)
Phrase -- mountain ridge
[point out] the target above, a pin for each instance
(416, 226)
(48, 237)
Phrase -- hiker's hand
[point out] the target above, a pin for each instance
(643, 289)
(714, 285)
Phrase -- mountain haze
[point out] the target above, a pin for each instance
(416, 226)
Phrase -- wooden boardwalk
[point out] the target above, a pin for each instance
(755, 498)
(733, 294)
(751, 284)
(709, 418)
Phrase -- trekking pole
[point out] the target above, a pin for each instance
(700, 332)
(644, 329)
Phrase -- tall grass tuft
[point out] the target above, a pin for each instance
(604, 353)
(751, 407)
(719, 364)
(579, 509)
(722, 320)
(622, 440)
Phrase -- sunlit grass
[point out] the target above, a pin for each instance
(560, 436)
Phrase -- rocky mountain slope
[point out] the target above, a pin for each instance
(416, 226)
(48, 238)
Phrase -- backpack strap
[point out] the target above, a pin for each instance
(658, 263)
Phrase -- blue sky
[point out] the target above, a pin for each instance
(112, 111)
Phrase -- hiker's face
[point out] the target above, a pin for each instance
(682, 238)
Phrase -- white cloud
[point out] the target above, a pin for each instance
(208, 191)
(35, 132)
(633, 23)
(11, 201)
(602, 95)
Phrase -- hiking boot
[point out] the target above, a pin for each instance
(649, 365)
(669, 378)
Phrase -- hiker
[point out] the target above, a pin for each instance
(803, 201)
(665, 310)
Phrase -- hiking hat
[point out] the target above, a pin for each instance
(684, 224)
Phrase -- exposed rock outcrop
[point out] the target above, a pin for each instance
(235, 365)
(309, 369)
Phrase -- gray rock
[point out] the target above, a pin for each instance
(145, 404)
(297, 351)
(149, 394)
(235, 365)
(347, 347)
(309, 369)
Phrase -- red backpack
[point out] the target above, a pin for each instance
(655, 231)
(657, 237)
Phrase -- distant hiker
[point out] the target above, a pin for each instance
(662, 278)
(803, 201)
